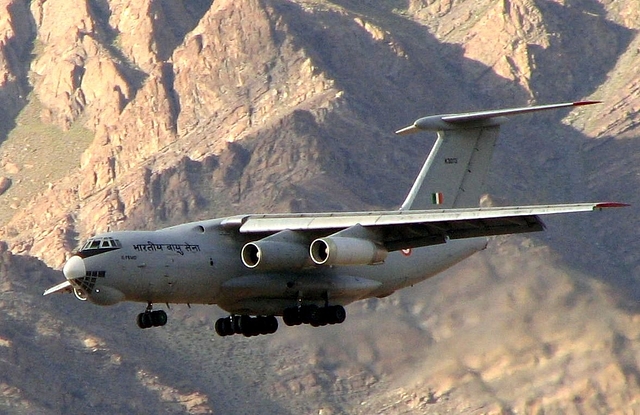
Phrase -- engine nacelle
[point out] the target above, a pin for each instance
(341, 250)
(272, 255)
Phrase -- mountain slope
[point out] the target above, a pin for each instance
(165, 112)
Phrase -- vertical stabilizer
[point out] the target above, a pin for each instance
(455, 171)
(454, 174)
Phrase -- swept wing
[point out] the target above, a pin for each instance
(405, 229)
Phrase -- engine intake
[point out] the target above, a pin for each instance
(282, 251)
(341, 250)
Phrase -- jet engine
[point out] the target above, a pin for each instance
(342, 250)
(282, 251)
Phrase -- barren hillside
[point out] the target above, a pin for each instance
(135, 115)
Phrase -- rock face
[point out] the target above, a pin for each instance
(17, 28)
(202, 109)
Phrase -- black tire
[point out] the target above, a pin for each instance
(337, 314)
(319, 318)
(308, 313)
(235, 324)
(291, 317)
(266, 324)
(158, 318)
(249, 326)
(223, 327)
(271, 325)
(144, 320)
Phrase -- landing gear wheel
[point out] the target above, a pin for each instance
(291, 316)
(270, 324)
(249, 326)
(158, 318)
(224, 327)
(309, 314)
(336, 314)
(144, 320)
(246, 325)
(314, 315)
(151, 318)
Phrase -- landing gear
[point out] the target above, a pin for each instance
(292, 316)
(314, 315)
(151, 318)
(246, 325)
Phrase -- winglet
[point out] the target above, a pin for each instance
(607, 205)
(580, 103)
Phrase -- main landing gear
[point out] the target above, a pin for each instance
(247, 325)
(314, 315)
(292, 316)
(151, 318)
(254, 326)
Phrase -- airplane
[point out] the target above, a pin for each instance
(306, 267)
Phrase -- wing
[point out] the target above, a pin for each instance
(407, 229)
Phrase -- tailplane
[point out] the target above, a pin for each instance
(454, 173)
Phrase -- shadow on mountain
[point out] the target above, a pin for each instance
(581, 55)
(605, 244)
(18, 55)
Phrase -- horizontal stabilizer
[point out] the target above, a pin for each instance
(478, 119)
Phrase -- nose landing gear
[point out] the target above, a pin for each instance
(151, 318)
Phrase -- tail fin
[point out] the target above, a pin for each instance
(454, 174)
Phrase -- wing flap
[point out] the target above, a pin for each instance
(416, 235)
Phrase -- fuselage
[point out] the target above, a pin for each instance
(200, 263)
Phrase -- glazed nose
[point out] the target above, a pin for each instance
(74, 268)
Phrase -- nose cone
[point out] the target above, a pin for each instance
(74, 268)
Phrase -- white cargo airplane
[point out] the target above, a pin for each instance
(306, 267)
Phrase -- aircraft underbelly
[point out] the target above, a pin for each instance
(405, 268)
(273, 292)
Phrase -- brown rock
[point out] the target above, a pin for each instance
(11, 167)
(5, 184)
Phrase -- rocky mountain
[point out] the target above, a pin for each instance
(135, 115)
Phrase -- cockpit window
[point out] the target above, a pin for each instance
(104, 243)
